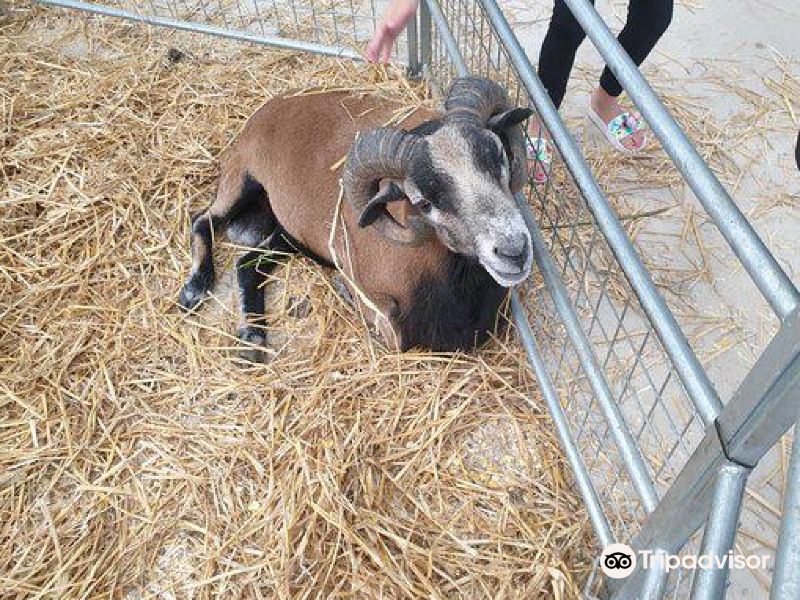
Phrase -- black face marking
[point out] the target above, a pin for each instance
(435, 186)
(484, 151)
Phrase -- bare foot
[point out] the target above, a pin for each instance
(607, 107)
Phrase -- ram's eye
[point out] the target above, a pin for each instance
(425, 206)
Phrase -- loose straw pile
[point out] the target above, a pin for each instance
(137, 457)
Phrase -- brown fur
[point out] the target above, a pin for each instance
(289, 146)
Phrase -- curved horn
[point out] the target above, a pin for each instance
(382, 153)
(475, 100)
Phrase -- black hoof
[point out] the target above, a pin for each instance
(299, 308)
(191, 296)
(342, 290)
(255, 339)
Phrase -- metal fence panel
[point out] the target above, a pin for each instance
(332, 27)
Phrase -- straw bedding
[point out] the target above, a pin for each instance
(137, 458)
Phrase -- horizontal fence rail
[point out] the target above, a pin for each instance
(656, 455)
(233, 34)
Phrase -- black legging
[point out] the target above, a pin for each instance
(797, 151)
(647, 22)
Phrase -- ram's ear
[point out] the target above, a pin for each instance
(508, 119)
(377, 204)
(506, 126)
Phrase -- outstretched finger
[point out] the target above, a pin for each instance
(373, 49)
(387, 52)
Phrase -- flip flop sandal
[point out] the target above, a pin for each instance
(539, 153)
(620, 127)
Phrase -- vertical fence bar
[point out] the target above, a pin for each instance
(754, 255)
(786, 578)
(656, 581)
(626, 445)
(709, 584)
(754, 419)
(413, 47)
(425, 36)
(449, 41)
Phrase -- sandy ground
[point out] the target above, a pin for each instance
(719, 58)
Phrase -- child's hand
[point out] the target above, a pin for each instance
(397, 16)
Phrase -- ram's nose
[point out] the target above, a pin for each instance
(513, 250)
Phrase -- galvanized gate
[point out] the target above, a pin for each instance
(656, 454)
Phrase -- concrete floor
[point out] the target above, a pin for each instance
(716, 57)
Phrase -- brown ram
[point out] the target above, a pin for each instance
(429, 233)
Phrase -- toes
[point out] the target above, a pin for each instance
(254, 340)
(540, 174)
(299, 307)
(634, 141)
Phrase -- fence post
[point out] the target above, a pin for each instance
(710, 583)
(655, 582)
(413, 48)
(425, 33)
(759, 413)
(786, 579)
